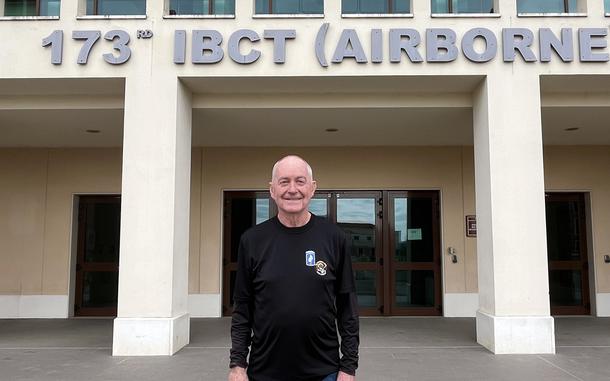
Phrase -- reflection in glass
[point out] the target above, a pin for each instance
(563, 230)
(116, 7)
(414, 288)
(462, 6)
(100, 289)
(28, 8)
(356, 216)
(202, 7)
(607, 6)
(319, 207)
(565, 287)
(277, 7)
(102, 231)
(546, 6)
(262, 210)
(375, 6)
(366, 288)
(413, 238)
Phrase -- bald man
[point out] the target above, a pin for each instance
(294, 287)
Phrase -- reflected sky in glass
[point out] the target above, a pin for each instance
(319, 207)
(356, 210)
(545, 6)
(400, 218)
(262, 210)
(607, 6)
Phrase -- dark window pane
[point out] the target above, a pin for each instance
(117, 7)
(462, 6)
(414, 288)
(102, 232)
(565, 287)
(357, 216)
(289, 6)
(563, 230)
(366, 288)
(20, 8)
(245, 213)
(413, 236)
(375, 6)
(100, 289)
(201, 7)
(546, 6)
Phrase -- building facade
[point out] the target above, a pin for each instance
(464, 147)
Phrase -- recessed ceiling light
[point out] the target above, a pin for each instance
(572, 129)
(92, 131)
(332, 129)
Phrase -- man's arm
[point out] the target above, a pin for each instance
(241, 322)
(347, 322)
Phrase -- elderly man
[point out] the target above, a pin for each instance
(294, 287)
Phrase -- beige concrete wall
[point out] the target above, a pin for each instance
(37, 187)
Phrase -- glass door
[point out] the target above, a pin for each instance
(359, 214)
(567, 252)
(242, 210)
(97, 261)
(414, 271)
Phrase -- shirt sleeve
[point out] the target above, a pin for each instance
(241, 321)
(347, 311)
(347, 322)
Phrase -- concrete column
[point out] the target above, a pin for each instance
(153, 276)
(514, 307)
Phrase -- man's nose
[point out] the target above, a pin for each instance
(293, 187)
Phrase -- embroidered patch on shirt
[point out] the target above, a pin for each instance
(310, 258)
(321, 268)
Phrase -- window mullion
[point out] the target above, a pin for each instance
(566, 6)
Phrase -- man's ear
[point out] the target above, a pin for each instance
(314, 185)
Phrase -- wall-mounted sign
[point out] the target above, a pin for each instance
(471, 226)
(414, 235)
(209, 46)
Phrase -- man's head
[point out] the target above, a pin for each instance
(292, 185)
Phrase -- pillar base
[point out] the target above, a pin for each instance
(150, 336)
(516, 334)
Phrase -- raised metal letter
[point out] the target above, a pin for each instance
(206, 41)
(564, 47)
(439, 40)
(510, 44)
(491, 45)
(349, 46)
(589, 40)
(279, 37)
(90, 37)
(409, 45)
(179, 46)
(376, 46)
(56, 41)
(234, 41)
(320, 41)
(120, 45)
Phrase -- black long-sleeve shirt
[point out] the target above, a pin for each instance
(294, 288)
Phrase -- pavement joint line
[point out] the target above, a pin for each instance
(560, 368)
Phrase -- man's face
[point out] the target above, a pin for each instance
(292, 187)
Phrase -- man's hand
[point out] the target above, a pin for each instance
(345, 377)
(238, 373)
